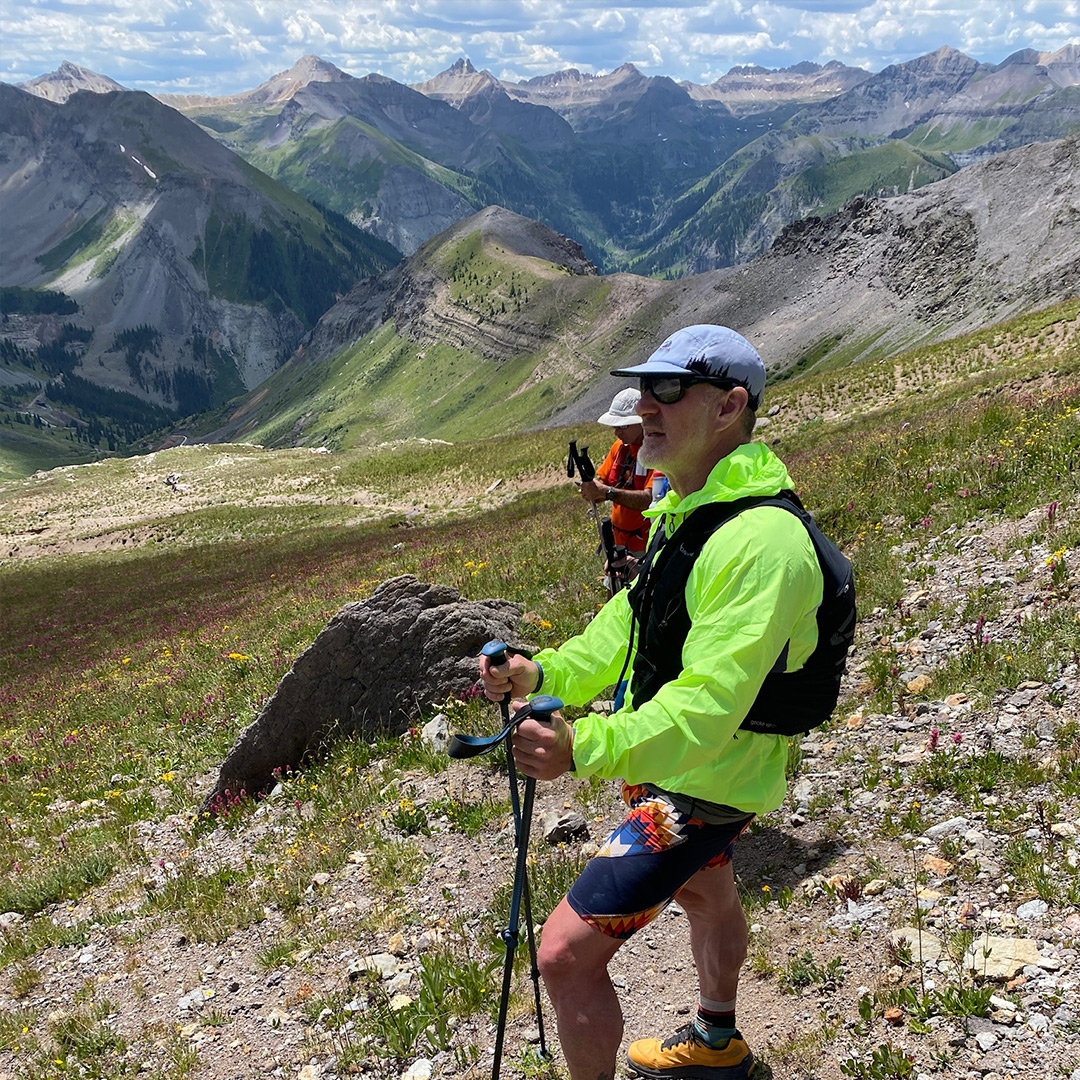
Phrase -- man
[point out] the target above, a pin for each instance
(621, 479)
(692, 779)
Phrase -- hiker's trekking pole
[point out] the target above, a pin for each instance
(579, 460)
(615, 555)
(466, 746)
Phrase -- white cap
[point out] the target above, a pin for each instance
(621, 413)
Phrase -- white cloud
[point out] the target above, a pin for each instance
(222, 46)
(610, 21)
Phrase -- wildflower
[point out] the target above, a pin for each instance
(957, 738)
(933, 740)
(126, 660)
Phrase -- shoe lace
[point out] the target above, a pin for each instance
(685, 1034)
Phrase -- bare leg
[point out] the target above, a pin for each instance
(718, 935)
(573, 958)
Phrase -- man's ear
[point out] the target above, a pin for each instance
(732, 406)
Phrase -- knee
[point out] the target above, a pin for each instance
(556, 960)
(565, 969)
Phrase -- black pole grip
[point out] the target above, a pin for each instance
(579, 459)
(585, 466)
(542, 706)
(495, 651)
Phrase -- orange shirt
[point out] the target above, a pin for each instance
(620, 469)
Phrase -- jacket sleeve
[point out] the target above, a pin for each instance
(585, 665)
(755, 587)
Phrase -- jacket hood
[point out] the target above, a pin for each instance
(750, 469)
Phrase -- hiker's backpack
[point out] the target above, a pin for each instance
(789, 703)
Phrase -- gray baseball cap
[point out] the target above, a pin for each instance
(710, 352)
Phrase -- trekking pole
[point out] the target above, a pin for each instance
(466, 746)
(579, 460)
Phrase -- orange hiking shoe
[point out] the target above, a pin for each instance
(685, 1055)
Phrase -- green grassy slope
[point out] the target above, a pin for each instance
(385, 386)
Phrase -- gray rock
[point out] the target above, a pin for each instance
(943, 828)
(560, 827)
(1039, 1022)
(986, 1040)
(383, 964)
(1033, 909)
(369, 671)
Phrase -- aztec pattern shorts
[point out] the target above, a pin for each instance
(649, 857)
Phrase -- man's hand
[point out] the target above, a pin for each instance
(593, 492)
(543, 751)
(518, 676)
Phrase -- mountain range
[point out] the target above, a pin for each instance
(500, 324)
(196, 275)
(203, 240)
(647, 174)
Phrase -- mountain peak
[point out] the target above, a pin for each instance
(458, 82)
(69, 79)
(311, 68)
(285, 85)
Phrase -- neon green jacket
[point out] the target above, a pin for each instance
(755, 586)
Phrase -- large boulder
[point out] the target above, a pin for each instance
(370, 671)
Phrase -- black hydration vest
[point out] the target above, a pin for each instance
(788, 703)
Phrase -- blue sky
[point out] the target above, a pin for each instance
(225, 46)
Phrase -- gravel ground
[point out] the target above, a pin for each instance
(860, 851)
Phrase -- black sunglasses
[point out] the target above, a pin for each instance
(667, 389)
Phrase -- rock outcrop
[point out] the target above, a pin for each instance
(369, 671)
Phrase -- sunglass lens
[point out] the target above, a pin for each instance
(666, 390)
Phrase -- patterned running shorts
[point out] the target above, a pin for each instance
(649, 857)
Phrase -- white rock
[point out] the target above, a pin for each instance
(943, 828)
(1033, 909)
(437, 732)
(418, 1070)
